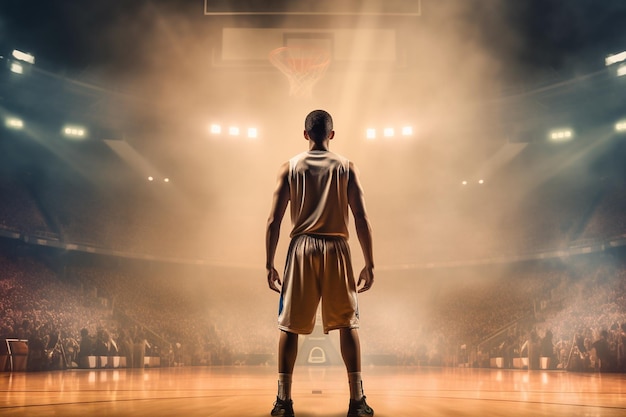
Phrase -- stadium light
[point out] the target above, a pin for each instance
(216, 129)
(620, 126)
(23, 56)
(17, 68)
(463, 182)
(233, 131)
(150, 178)
(370, 133)
(253, 133)
(621, 70)
(389, 132)
(561, 135)
(73, 131)
(615, 58)
(407, 131)
(14, 123)
(166, 180)
(481, 182)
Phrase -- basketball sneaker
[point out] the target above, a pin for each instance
(359, 408)
(283, 408)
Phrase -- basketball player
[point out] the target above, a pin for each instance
(320, 185)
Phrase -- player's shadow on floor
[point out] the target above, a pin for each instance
(320, 414)
(315, 414)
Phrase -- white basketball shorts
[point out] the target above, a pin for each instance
(318, 268)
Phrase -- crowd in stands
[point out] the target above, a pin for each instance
(186, 320)
(102, 311)
(592, 310)
(461, 307)
(37, 307)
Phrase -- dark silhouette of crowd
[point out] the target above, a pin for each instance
(559, 315)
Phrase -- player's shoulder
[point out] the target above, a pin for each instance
(352, 167)
(296, 158)
(343, 160)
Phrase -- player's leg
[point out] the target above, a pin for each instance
(287, 352)
(350, 349)
(298, 304)
(351, 354)
(340, 311)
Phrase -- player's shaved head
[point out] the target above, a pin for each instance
(318, 125)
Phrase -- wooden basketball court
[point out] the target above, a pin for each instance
(318, 391)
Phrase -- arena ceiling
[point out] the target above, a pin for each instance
(554, 35)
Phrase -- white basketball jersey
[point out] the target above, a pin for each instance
(318, 185)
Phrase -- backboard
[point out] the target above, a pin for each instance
(249, 45)
(367, 34)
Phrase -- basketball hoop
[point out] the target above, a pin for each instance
(303, 66)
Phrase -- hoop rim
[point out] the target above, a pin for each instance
(302, 72)
(275, 52)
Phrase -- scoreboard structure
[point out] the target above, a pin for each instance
(313, 7)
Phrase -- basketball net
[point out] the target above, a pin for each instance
(303, 66)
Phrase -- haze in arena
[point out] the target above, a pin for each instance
(139, 151)
(382, 74)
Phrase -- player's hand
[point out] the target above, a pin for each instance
(366, 279)
(273, 279)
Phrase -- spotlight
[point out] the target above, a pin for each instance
(407, 131)
(233, 131)
(388, 132)
(14, 123)
(216, 129)
(253, 133)
(463, 182)
(17, 68)
(561, 135)
(481, 182)
(166, 180)
(23, 56)
(615, 58)
(150, 178)
(621, 70)
(73, 131)
(620, 126)
(370, 133)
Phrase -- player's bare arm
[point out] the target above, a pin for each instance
(277, 212)
(363, 229)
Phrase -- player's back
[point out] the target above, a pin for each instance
(318, 184)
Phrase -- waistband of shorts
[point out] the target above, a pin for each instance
(320, 237)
